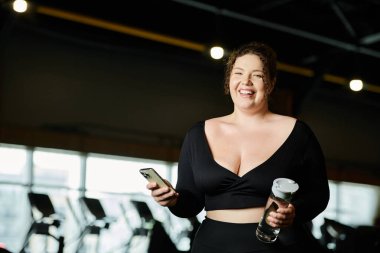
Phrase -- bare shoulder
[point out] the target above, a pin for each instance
(219, 120)
(282, 122)
(215, 125)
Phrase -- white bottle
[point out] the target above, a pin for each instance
(282, 192)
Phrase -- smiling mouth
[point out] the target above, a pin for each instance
(246, 92)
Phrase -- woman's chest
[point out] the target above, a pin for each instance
(240, 153)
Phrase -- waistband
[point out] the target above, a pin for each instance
(241, 237)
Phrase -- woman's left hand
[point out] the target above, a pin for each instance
(283, 217)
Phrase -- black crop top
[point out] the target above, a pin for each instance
(204, 184)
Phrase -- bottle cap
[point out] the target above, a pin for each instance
(284, 188)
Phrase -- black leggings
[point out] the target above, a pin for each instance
(224, 237)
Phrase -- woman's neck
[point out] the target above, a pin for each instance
(242, 117)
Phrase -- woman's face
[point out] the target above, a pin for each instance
(247, 86)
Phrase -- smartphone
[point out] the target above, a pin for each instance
(152, 176)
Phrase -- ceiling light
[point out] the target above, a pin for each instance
(217, 52)
(20, 6)
(356, 84)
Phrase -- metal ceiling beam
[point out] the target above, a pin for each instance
(370, 39)
(271, 5)
(338, 11)
(282, 28)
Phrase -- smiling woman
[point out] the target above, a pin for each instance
(247, 85)
(264, 68)
(227, 165)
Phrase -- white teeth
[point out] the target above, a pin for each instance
(248, 92)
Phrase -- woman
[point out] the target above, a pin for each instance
(227, 166)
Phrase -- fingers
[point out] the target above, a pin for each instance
(165, 196)
(168, 183)
(151, 186)
(283, 217)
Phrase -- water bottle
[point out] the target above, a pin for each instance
(282, 192)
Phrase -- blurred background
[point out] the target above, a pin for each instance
(92, 91)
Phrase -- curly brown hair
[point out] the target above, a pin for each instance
(266, 54)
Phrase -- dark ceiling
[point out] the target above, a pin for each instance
(325, 41)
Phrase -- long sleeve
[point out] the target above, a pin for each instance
(191, 199)
(313, 195)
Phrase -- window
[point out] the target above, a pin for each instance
(56, 168)
(13, 164)
(13, 216)
(350, 204)
(119, 174)
(357, 203)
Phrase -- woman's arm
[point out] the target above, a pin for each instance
(313, 195)
(190, 201)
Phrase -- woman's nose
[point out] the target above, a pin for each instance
(246, 81)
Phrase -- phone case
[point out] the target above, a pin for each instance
(152, 176)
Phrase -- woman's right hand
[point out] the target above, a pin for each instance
(165, 196)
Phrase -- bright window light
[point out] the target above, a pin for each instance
(56, 167)
(351, 204)
(117, 174)
(12, 160)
